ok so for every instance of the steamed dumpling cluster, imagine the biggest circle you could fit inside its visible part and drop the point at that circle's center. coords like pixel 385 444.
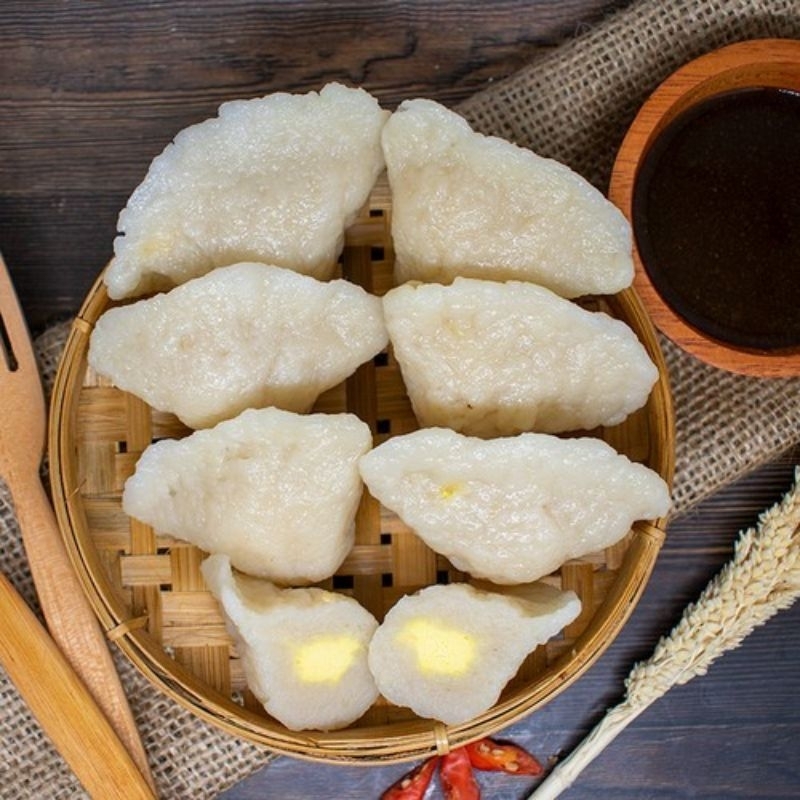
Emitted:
pixel 481 207
pixel 499 236
pixel 243 336
pixel 239 223
pixel 513 509
pixel 304 651
pixel 274 491
pixel 494 359
pixel 318 659
pixel 276 179
pixel 446 652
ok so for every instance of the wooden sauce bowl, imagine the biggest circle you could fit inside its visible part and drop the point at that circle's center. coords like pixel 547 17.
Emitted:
pixel 763 63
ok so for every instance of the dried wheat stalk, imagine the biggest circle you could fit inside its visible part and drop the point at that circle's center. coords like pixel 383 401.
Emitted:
pixel 762 578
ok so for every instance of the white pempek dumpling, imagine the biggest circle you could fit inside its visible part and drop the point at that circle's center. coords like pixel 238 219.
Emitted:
pixel 446 652
pixel 244 336
pixel 479 206
pixel 512 510
pixel 304 651
pixel 274 179
pixel 494 359
pixel 275 491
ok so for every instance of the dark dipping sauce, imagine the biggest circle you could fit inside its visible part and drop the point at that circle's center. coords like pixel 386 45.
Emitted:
pixel 716 216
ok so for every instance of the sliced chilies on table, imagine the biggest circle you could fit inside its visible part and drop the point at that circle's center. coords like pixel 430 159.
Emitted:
pixel 456 770
pixel 414 784
pixel 457 778
pixel 487 754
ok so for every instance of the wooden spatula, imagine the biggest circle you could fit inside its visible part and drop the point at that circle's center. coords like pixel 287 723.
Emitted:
pixel 79 699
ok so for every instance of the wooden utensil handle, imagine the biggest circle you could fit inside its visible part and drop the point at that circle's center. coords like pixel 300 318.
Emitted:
pixel 63 706
pixel 70 618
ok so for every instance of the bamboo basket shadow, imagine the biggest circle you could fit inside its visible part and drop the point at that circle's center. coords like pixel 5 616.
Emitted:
pixel 148 592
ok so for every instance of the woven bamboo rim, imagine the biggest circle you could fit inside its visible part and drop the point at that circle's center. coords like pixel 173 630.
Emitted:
pixel 149 595
pixel 749 64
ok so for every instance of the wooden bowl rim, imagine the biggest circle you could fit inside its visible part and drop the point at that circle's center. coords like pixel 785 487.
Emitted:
pixel 752 63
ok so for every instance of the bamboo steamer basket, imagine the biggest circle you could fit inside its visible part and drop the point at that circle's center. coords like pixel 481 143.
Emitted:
pixel 148 592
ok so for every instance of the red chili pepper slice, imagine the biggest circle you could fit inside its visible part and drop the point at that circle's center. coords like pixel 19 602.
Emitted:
pixel 487 754
pixel 458 780
pixel 413 785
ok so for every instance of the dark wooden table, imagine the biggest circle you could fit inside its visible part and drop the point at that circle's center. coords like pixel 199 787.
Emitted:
pixel 90 92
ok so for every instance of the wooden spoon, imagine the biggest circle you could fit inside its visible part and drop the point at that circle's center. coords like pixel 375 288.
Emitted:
pixel 67 704
pixel 62 704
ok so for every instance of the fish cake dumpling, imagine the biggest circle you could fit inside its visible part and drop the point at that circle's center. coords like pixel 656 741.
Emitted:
pixel 447 651
pixel 248 335
pixel 474 205
pixel 514 509
pixel 304 651
pixel 275 491
pixel 495 359
pixel 274 179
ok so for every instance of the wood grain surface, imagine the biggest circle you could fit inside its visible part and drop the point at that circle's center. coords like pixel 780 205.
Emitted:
pixel 90 92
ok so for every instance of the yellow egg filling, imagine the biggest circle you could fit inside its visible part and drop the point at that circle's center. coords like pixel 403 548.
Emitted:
pixel 439 649
pixel 449 490
pixel 155 246
pixel 325 659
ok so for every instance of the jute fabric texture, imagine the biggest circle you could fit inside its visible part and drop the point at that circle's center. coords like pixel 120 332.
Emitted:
pixel 573 104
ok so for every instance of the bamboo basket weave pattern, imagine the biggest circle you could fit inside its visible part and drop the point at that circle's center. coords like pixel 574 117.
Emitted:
pixel 149 594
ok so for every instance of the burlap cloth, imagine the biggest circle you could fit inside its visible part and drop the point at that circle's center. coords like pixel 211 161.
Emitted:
pixel 573 104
